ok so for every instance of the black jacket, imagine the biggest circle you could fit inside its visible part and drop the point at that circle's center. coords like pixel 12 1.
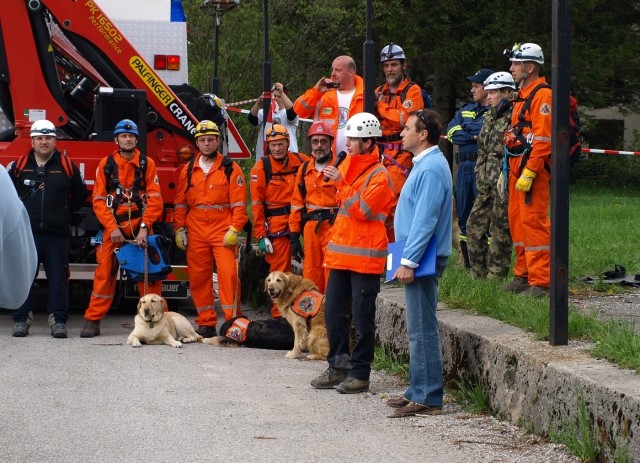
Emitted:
pixel 52 198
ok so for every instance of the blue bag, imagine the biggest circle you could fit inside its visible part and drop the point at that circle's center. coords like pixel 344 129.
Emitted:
pixel 131 259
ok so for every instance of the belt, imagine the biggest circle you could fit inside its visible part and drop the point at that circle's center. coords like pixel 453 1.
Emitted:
pixel 324 214
pixel 284 210
pixel 125 216
pixel 390 138
pixel 467 157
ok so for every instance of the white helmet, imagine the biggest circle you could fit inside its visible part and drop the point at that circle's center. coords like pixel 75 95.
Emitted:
pixel 391 51
pixel 363 125
pixel 43 127
pixel 525 52
pixel 499 80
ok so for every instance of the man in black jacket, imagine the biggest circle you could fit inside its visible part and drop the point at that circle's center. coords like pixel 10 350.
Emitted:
pixel 52 190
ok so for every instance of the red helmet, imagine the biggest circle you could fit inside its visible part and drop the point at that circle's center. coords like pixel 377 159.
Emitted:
pixel 320 128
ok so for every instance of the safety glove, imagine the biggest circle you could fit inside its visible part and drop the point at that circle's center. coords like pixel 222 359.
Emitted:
pixel 265 245
pixel 526 180
pixel 181 238
pixel 231 237
pixel 297 252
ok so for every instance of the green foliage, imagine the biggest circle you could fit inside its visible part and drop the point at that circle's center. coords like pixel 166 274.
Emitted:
pixel 579 436
pixel 472 396
pixel 385 359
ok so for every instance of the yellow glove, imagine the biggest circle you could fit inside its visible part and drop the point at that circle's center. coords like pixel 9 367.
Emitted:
pixel 525 180
pixel 230 238
pixel 500 185
pixel 181 238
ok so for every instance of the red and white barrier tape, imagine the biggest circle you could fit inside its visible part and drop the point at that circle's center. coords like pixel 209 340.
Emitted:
pixel 613 152
pixel 246 111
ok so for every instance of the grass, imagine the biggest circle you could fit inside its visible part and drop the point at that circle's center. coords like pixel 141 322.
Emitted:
pixel 384 359
pixel 602 224
pixel 473 397
pixel 579 437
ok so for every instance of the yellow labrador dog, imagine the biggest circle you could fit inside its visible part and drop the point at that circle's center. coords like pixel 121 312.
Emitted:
pixel 302 306
pixel 155 326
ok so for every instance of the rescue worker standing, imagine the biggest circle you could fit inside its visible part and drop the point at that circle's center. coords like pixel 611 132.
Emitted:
pixel 489 217
pixel 463 131
pixel 52 190
pixel 529 151
pixel 272 183
pixel 211 205
pixel 396 98
pixel 314 207
pixel 127 202
pixel 356 256
pixel 334 99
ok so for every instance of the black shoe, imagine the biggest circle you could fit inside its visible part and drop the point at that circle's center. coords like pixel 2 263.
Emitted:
pixel 329 379
pixel 353 385
pixel 58 330
pixel 207 331
pixel 20 330
pixel 91 329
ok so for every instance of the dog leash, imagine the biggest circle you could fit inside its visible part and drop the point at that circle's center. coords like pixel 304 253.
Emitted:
pixel 146 271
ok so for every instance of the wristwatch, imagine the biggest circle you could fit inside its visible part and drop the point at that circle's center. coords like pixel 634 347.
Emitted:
pixel 143 225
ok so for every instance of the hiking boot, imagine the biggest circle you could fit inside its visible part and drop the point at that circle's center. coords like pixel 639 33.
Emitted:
pixel 517 285
pixel 352 385
pixel 207 331
pixel 20 330
pixel 58 330
pixel 329 379
pixel 536 291
pixel 91 329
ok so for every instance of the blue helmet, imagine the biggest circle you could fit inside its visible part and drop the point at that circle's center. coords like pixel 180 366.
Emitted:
pixel 126 126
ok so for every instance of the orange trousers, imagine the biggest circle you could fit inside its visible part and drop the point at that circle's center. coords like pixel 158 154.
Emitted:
pixel 315 247
pixel 203 258
pixel 530 227
pixel 279 261
pixel 104 282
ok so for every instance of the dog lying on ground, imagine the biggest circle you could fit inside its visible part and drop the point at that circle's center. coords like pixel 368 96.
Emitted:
pixel 258 334
pixel 152 325
pixel 302 306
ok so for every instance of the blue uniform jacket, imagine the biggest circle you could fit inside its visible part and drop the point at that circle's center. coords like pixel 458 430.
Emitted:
pixel 465 126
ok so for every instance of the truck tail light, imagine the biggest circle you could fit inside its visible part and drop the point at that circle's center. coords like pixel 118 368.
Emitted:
pixel 159 61
pixel 173 62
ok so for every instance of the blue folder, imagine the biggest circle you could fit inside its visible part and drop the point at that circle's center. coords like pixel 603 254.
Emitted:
pixel 426 266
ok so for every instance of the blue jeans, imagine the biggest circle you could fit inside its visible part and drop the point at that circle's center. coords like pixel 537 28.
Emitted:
pixel 358 291
pixel 53 253
pixel 425 358
pixel 466 192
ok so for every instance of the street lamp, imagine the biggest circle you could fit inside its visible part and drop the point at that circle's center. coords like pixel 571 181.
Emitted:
pixel 217 8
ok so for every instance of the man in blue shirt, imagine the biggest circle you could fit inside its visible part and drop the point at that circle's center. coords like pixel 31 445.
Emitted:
pixel 424 209
pixel 463 131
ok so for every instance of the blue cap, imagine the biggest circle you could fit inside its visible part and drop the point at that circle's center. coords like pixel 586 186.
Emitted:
pixel 480 76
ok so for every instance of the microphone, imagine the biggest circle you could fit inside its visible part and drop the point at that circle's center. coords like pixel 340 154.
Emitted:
pixel 339 158
pixel 31 182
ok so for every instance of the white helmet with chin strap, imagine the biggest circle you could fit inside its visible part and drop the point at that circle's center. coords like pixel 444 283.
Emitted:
pixel 499 80
pixel 363 125
pixel 525 52
pixel 43 127
pixel 391 51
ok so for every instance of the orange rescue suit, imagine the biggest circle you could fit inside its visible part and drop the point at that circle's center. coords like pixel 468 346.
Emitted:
pixel 104 283
pixel 528 212
pixel 317 210
pixel 271 206
pixel 358 238
pixel 207 208
pixel 393 114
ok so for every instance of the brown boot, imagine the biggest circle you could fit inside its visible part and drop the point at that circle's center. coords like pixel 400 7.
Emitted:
pixel 517 285
pixel 536 291
pixel 91 329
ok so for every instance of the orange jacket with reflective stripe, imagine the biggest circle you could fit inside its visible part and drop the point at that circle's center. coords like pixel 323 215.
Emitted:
pixel 539 115
pixel 211 200
pixel 126 175
pixel 320 195
pixel 392 111
pixel 318 105
pixel 274 196
pixel 359 237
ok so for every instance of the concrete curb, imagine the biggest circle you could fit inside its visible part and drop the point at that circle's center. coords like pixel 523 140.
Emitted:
pixel 529 382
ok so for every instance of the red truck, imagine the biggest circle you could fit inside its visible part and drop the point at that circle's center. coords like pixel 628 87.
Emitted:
pixel 66 61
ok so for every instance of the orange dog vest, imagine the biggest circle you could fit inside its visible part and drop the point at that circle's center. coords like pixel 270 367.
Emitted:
pixel 307 304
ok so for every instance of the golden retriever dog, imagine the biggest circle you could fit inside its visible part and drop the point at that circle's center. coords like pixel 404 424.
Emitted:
pixel 297 299
pixel 152 325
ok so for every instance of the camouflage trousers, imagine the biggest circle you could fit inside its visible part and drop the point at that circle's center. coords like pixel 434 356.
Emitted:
pixel 488 236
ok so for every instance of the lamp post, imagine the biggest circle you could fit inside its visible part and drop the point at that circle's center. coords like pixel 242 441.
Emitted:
pixel 217 8
pixel 369 54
